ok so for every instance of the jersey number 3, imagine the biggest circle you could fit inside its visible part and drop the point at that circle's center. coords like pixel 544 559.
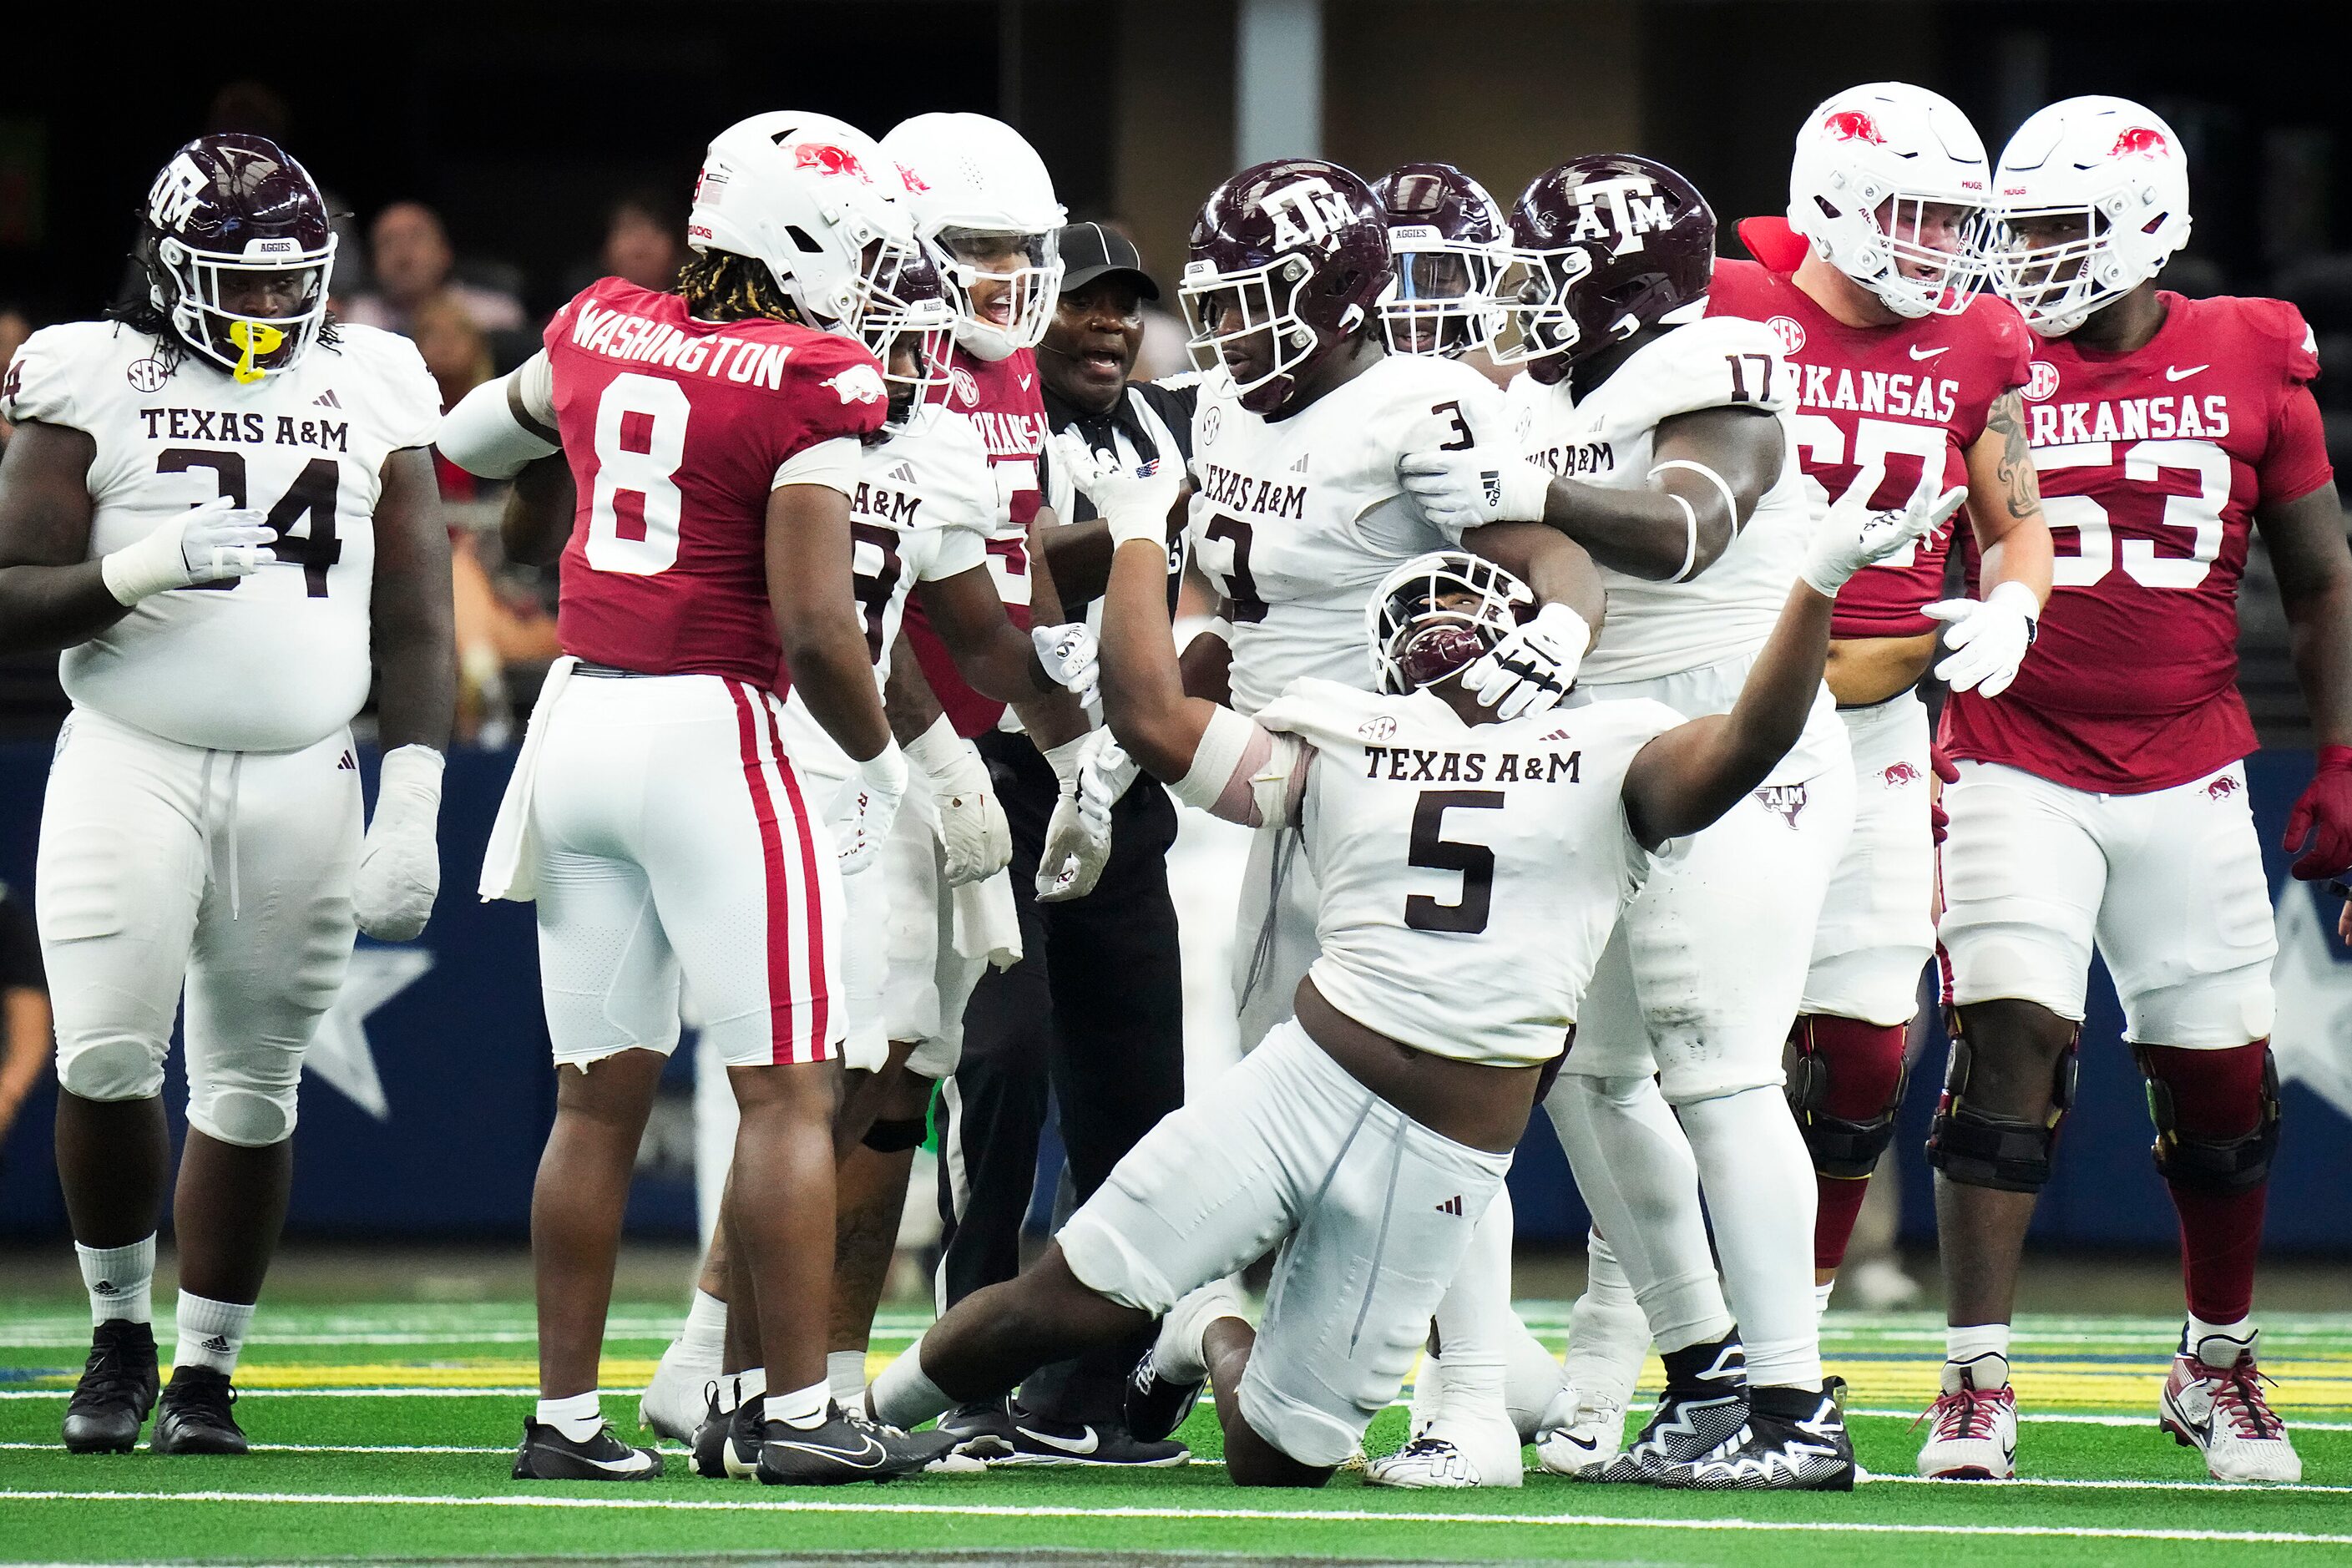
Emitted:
pixel 1431 850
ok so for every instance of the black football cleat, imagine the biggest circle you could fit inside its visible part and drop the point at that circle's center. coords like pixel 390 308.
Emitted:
pixel 1042 1440
pixel 1704 1405
pixel 1156 1405
pixel 982 1430
pixel 117 1389
pixel 1788 1444
pixel 845 1450
pixel 547 1455
pixel 707 1453
pixel 194 1417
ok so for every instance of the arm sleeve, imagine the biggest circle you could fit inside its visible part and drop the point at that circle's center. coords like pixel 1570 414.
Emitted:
pixel 482 436
pixel 832 462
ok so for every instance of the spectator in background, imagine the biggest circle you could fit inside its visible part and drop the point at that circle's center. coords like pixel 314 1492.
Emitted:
pixel 643 241
pixel 25 1040
pixel 412 262
pixel 457 354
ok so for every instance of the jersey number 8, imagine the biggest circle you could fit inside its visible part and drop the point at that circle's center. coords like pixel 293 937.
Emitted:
pixel 633 508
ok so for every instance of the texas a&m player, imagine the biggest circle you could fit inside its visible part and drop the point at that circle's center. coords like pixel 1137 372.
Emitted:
pixel 694 454
pixel 1908 381
pixel 220 504
pixel 2102 799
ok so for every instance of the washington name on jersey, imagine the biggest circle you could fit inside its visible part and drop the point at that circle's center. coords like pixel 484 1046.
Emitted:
pixel 277 660
pixel 1882 414
pixel 1296 520
pixel 2152 465
pixel 1468 875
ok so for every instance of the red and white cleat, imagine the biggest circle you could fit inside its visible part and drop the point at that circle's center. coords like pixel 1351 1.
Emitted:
pixel 1972 1432
pixel 2214 1402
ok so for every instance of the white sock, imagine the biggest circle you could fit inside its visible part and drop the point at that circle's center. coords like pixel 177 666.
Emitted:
pixel 1607 1332
pixel 212 1333
pixel 1983 1347
pixel 1177 1352
pixel 577 1416
pixel 902 1396
pixel 705 1334
pixel 1761 1192
pixel 2242 1331
pixel 1822 1299
pixel 121 1280
pixel 844 1374
pixel 803 1409
pixel 1474 1319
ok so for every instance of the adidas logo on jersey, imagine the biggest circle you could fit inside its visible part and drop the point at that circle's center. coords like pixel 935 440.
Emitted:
pixel 327 399
pixel 1452 1206
pixel 901 474
pixel 1300 466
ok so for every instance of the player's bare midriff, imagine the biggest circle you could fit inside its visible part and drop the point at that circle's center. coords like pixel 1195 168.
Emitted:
pixel 1471 1102
pixel 1866 671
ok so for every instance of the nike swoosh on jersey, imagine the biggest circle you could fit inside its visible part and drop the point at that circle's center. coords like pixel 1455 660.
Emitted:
pixel 2174 373
pixel 1919 352
pixel 1067 1444
pixel 1024 381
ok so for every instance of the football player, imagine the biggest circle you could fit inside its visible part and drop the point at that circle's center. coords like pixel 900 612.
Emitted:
pixel 1662 442
pixel 2102 800
pixel 1870 285
pixel 1449 240
pixel 1370 1131
pixel 694 455
pixel 220 505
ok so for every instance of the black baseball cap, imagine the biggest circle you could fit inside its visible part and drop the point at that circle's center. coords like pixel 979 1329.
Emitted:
pixel 1090 251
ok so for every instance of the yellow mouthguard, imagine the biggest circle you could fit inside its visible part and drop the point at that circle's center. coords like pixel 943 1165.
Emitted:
pixel 256 339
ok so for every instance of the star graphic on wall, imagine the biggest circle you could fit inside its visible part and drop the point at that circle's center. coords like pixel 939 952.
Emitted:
pixel 2311 1032
pixel 339 1054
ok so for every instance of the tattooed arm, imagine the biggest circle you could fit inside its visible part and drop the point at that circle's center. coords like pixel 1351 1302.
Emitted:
pixel 2005 501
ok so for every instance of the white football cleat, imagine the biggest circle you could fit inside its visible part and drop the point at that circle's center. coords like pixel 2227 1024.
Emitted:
pixel 1454 1451
pixel 674 1401
pixel 2213 1403
pixel 1972 1432
pixel 1582 1432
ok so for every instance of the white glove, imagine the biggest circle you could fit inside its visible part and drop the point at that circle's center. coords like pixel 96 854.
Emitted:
pixel 1988 638
pixel 1077 844
pixel 1850 536
pixel 974 833
pixel 203 545
pixel 1458 491
pixel 400 861
pixel 867 805
pixel 1072 661
pixel 1107 773
pixel 1133 504
pixel 1532 669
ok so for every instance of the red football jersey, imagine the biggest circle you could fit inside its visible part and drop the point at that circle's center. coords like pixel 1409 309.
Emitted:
pixel 2152 464
pixel 1002 398
pixel 1876 405
pixel 675 429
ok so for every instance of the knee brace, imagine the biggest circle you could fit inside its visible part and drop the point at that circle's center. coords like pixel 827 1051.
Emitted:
pixel 1835 1060
pixel 117 1069
pixel 2213 1164
pixel 897 1134
pixel 1979 1148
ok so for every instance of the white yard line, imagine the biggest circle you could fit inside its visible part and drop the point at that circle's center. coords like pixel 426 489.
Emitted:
pixel 1262 1516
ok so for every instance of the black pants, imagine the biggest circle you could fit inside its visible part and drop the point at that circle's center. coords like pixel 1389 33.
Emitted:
pixel 1095 1012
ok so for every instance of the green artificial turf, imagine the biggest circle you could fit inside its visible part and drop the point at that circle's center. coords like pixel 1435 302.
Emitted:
pixel 441 1490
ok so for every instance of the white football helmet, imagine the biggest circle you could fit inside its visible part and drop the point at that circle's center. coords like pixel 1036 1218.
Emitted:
pixel 980 193
pixel 813 197
pixel 2091 199
pixel 1418 638
pixel 1879 171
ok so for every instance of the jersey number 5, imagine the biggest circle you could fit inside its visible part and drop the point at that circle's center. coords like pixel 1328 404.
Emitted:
pixel 633 508
pixel 1432 851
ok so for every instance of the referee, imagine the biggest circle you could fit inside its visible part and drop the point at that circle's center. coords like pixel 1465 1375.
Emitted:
pixel 1096 1009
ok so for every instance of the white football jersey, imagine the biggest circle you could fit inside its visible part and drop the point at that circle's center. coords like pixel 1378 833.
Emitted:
pixel 271 662
pixel 1296 520
pixel 1469 875
pixel 1725 612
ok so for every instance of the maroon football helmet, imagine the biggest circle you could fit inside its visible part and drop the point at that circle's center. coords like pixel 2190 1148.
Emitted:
pixel 1449 240
pixel 237 248
pixel 1288 261
pixel 909 325
pixel 1603 246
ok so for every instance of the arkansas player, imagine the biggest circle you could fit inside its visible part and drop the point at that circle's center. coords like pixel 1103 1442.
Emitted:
pixel 1910 381
pixel 2103 797
pixel 699 448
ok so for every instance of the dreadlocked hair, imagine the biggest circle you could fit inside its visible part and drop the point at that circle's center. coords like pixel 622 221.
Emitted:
pixel 720 286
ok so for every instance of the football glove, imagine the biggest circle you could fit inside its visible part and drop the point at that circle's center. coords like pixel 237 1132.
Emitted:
pixel 1852 536
pixel 974 836
pixel 1132 503
pixel 1071 661
pixel 2323 814
pixel 867 805
pixel 1986 638
pixel 1533 668
pixel 1077 840
pixel 400 860
pixel 209 543
pixel 1457 491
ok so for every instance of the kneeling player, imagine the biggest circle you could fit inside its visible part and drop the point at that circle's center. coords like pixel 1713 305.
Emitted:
pixel 1374 1149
